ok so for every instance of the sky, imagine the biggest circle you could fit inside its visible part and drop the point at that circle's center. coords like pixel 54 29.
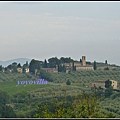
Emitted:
pixel 42 30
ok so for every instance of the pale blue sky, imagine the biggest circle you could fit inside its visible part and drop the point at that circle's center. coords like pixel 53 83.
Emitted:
pixel 41 30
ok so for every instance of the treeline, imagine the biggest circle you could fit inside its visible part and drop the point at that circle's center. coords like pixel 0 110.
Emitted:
pixel 37 64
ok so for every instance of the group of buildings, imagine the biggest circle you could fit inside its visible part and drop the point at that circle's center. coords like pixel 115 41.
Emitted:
pixel 84 66
pixel 79 66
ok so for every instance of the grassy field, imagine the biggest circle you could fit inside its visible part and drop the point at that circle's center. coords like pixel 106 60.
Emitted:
pixel 11 87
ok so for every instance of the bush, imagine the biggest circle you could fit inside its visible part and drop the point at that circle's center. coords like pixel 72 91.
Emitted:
pixel 68 82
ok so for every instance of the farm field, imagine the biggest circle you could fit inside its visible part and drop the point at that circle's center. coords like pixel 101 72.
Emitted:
pixel 85 77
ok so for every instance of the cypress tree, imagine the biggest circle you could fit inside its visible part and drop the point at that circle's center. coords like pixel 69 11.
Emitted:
pixel 94 65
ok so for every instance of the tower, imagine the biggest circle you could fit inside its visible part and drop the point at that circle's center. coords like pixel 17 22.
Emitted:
pixel 83 61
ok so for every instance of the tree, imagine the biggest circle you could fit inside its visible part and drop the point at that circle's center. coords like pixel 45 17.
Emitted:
pixel 108 83
pixel 9 66
pixel 59 68
pixel 26 64
pixel 4 97
pixel 45 64
pixel 19 66
pixel 80 60
pixel 108 91
pixel 106 62
pixel 63 68
pixel 68 82
pixel 14 66
pixel 66 60
pixel 53 62
pixel 34 64
pixel 94 65
pixel 5 110
pixel 109 88
pixel 83 106
pixel 0 67
pixel 73 67
pixel 45 75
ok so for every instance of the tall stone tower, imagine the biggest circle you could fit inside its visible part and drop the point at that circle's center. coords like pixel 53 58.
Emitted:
pixel 83 61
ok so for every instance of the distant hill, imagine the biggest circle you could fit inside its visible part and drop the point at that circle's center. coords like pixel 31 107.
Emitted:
pixel 17 60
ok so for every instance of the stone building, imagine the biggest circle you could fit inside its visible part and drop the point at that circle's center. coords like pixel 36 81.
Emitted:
pixel 51 70
pixel 101 83
pixel 78 65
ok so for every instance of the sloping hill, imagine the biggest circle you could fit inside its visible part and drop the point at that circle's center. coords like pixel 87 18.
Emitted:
pixel 17 60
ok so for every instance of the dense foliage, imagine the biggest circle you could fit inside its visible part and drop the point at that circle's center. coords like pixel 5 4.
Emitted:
pixel 83 106
pixel 5 110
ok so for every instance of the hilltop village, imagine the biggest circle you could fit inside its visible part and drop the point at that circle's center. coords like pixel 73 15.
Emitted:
pixel 54 65
pixel 66 65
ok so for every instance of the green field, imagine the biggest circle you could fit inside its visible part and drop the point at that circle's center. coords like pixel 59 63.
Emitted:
pixel 11 88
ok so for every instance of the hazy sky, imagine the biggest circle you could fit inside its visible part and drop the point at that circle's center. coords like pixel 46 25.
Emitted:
pixel 41 30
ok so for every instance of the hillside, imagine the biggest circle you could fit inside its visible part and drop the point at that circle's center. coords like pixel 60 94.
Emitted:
pixel 37 94
pixel 17 60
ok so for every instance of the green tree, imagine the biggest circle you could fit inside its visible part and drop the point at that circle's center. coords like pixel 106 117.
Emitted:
pixel 34 64
pixel 80 60
pixel 14 64
pixel 0 67
pixel 53 62
pixel 9 66
pixel 109 88
pixel 106 62
pixel 4 97
pixel 5 110
pixel 108 83
pixel 66 60
pixel 14 67
pixel 84 106
pixel 73 67
pixel 45 75
pixel 68 82
pixel 45 64
pixel 108 91
pixel 63 68
pixel 59 68
pixel 19 66
pixel 94 65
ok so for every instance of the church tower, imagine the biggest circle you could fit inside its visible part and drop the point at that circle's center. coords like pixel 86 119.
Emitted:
pixel 83 61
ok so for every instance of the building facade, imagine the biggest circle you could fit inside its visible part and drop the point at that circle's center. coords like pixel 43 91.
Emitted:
pixel 51 70
pixel 101 83
pixel 78 65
